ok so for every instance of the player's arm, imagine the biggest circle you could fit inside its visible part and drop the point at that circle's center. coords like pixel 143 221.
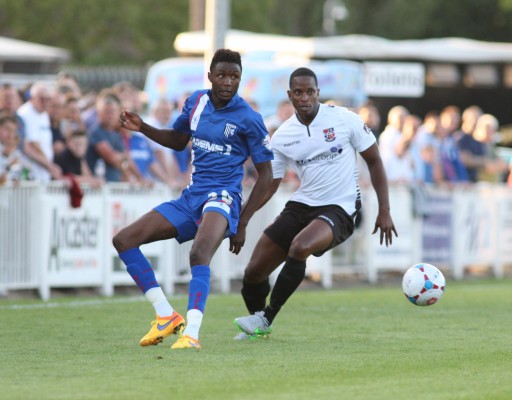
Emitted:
pixel 278 172
pixel 258 193
pixel 255 201
pixel 272 189
pixel 170 138
pixel 380 183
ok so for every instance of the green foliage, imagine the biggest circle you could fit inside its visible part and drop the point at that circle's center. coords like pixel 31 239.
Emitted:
pixel 98 31
pixel 358 343
pixel 135 32
pixel 419 19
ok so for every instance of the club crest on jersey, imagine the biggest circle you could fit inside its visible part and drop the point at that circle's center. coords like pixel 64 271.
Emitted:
pixel 229 130
pixel 329 134
pixel 367 129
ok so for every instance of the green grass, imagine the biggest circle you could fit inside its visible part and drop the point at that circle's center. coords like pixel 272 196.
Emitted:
pixel 364 343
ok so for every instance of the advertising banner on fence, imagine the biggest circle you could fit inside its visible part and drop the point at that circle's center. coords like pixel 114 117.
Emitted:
pixel 73 240
pixel 436 232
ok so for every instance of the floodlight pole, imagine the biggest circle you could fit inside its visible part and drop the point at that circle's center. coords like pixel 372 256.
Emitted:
pixel 217 21
pixel 334 10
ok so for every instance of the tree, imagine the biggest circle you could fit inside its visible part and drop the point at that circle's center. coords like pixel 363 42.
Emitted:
pixel 136 32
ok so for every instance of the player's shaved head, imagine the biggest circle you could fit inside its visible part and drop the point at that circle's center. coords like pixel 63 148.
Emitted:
pixel 303 71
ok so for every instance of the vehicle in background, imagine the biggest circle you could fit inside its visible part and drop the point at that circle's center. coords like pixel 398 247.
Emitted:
pixel 263 81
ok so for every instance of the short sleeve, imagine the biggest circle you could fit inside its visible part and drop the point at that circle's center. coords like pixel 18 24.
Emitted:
pixel 278 164
pixel 258 140
pixel 182 123
pixel 362 136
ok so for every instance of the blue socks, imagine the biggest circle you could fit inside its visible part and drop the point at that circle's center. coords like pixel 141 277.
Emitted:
pixel 139 269
pixel 141 272
pixel 199 287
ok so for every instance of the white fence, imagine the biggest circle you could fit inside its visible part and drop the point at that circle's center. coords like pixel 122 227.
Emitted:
pixel 44 243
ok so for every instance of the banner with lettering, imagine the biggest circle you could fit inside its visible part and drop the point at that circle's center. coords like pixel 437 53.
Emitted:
pixel 73 239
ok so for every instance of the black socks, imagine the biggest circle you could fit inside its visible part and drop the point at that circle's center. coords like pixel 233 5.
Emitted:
pixel 255 295
pixel 287 282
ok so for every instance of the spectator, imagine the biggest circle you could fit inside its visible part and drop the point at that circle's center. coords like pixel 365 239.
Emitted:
pixel 428 167
pixel 72 159
pixel 106 146
pixel 284 111
pixel 55 111
pixel 38 141
pixel 469 117
pixel 472 152
pixel 10 101
pixel 371 117
pixel 412 152
pixel 71 117
pixel 494 169
pixel 394 148
pixel 12 166
pixel 89 113
pixel 129 95
pixel 160 117
pixel 183 157
pixel 144 159
pixel 68 85
pixel 452 169
pixel 449 119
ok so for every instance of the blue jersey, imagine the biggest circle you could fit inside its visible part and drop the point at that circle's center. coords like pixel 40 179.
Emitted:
pixel 222 140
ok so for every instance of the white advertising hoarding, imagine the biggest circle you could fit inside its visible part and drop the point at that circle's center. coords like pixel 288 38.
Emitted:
pixel 394 79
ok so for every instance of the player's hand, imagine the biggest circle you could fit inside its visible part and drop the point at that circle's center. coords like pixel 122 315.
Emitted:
pixel 386 226
pixel 237 242
pixel 131 121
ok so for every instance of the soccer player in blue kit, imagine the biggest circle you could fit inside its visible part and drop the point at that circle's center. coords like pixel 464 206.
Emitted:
pixel 320 143
pixel 224 131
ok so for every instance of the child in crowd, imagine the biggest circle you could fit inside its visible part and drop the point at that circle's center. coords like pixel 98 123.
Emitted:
pixel 72 159
pixel 12 167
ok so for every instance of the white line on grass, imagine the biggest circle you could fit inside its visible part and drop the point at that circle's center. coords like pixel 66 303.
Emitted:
pixel 72 304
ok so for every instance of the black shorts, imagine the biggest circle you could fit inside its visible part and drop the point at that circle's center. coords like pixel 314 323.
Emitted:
pixel 296 216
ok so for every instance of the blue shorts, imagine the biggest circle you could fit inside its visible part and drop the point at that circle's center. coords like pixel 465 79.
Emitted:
pixel 186 212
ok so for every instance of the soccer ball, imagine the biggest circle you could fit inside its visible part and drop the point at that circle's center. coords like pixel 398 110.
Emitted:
pixel 423 284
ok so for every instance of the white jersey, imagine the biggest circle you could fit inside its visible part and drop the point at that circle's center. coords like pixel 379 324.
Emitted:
pixel 38 129
pixel 323 155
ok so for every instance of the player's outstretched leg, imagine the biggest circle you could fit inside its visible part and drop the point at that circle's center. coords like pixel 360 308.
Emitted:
pixel 167 320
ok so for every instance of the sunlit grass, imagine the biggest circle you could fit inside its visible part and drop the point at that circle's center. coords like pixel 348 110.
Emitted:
pixel 365 343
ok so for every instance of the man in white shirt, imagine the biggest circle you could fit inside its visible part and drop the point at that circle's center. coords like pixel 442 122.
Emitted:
pixel 38 147
pixel 320 143
pixel 395 148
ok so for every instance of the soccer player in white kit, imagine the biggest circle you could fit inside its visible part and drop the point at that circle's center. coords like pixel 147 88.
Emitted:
pixel 319 142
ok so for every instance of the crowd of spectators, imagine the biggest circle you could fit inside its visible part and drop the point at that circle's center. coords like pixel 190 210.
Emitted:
pixel 444 148
pixel 53 131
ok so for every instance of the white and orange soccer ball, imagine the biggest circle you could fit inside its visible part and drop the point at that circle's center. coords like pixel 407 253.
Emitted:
pixel 423 284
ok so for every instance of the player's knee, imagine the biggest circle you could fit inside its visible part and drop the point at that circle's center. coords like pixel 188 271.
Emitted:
pixel 253 275
pixel 121 241
pixel 299 250
pixel 199 255
pixel 256 272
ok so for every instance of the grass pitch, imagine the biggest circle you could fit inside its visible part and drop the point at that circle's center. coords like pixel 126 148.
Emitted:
pixel 364 343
